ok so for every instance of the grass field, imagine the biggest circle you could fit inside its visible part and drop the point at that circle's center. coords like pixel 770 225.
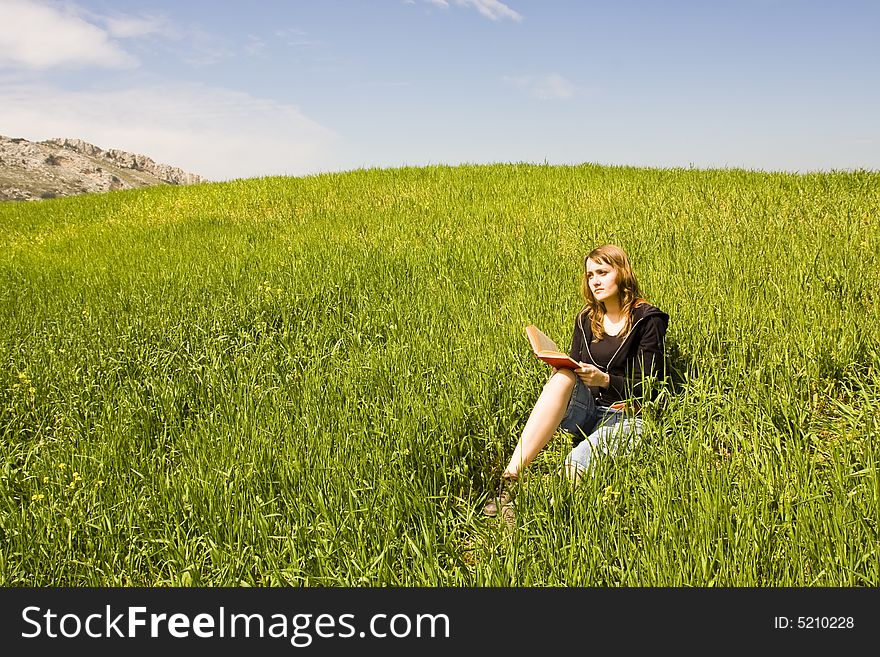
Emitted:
pixel 315 381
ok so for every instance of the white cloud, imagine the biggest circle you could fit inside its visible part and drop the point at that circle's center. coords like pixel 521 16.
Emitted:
pixel 213 132
pixel 491 9
pixel 255 46
pixel 202 48
pixel 124 27
pixel 290 33
pixel 544 87
pixel 297 38
pixel 41 36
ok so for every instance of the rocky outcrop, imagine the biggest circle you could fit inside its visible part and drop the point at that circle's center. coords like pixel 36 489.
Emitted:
pixel 66 167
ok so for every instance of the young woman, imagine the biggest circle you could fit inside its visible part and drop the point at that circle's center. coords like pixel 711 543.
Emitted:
pixel 619 343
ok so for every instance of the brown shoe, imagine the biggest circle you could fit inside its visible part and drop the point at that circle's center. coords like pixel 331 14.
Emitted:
pixel 503 498
pixel 508 514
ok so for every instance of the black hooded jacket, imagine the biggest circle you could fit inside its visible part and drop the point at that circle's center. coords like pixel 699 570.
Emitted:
pixel 641 355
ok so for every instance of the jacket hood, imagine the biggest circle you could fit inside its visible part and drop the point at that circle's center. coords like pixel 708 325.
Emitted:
pixel 644 309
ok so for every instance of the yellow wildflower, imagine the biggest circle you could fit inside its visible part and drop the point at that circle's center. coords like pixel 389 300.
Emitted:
pixel 609 495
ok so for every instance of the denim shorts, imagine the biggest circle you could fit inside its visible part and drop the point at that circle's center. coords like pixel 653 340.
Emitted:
pixel 596 430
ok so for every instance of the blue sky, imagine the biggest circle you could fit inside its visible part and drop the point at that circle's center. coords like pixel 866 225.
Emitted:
pixel 239 89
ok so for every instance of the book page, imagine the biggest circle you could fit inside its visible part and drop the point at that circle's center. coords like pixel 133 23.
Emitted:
pixel 539 341
pixel 546 350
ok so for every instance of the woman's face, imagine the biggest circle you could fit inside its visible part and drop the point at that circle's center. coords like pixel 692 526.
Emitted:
pixel 602 280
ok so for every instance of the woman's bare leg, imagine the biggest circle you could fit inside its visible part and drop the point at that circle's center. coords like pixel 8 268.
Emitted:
pixel 543 421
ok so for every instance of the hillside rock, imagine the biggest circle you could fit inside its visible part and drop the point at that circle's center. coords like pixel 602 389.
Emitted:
pixel 67 167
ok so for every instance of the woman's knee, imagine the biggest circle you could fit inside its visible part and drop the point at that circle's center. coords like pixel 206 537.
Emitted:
pixel 563 379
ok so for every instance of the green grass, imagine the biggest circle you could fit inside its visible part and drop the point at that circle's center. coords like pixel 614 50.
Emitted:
pixel 315 381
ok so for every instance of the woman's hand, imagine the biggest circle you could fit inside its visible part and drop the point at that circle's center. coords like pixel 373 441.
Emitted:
pixel 593 376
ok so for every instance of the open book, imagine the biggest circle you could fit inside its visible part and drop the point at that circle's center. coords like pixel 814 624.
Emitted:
pixel 546 349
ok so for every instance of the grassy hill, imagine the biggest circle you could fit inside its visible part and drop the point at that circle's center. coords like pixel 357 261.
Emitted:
pixel 315 381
